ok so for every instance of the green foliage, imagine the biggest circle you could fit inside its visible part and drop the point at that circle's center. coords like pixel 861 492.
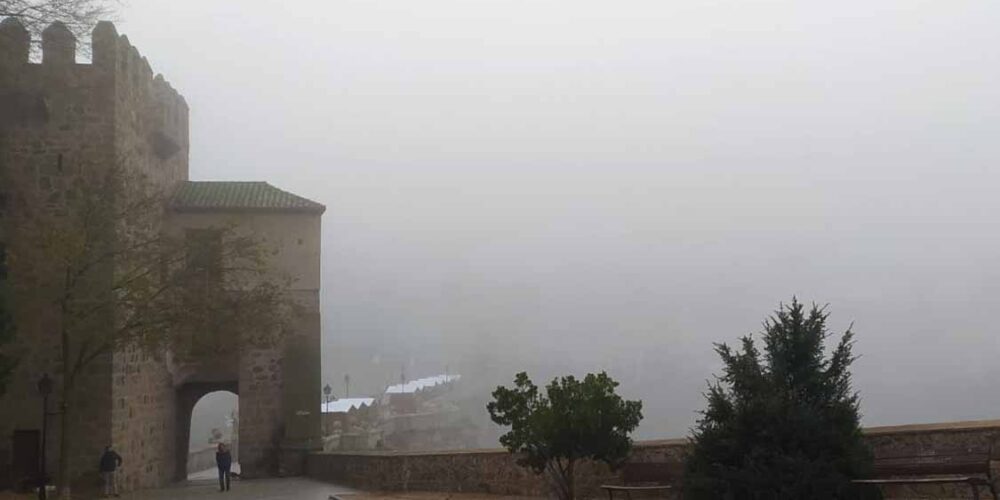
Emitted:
pixel 573 420
pixel 782 424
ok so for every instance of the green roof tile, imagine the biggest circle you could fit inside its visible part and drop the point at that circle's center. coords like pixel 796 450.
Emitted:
pixel 201 196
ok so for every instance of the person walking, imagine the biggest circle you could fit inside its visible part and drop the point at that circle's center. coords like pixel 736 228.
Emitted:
pixel 224 460
pixel 110 462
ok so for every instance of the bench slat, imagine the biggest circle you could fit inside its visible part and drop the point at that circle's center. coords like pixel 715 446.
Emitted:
pixel 649 472
pixel 924 465
pixel 939 468
pixel 636 488
pixel 925 480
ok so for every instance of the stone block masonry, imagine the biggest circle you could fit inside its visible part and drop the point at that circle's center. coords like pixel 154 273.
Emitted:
pixel 496 472
pixel 62 121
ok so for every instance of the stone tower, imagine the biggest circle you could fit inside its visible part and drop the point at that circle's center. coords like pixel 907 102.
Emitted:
pixel 59 120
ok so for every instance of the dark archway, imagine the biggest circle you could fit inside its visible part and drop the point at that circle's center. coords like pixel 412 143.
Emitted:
pixel 187 396
pixel 214 420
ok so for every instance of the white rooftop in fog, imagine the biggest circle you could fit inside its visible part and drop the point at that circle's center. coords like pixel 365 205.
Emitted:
pixel 422 383
pixel 345 405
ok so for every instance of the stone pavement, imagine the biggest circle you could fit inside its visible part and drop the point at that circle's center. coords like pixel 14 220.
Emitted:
pixel 212 473
pixel 280 489
pixel 292 488
pixel 426 496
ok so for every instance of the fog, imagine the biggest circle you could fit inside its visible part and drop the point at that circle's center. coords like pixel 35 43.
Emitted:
pixel 565 187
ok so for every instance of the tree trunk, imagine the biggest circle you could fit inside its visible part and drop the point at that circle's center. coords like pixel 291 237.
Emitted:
pixel 557 479
pixel 570 481
pixel 69 377
pixel 64 447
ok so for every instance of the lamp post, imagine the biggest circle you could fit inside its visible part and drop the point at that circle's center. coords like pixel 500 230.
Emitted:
pixel 327 390
pixel 45 389
pixel 347 385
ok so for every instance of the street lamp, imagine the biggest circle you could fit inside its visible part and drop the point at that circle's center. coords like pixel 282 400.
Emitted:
pixel 45 389
pixel 327 390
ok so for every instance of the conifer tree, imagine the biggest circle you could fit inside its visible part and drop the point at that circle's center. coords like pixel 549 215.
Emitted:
pixel 782 423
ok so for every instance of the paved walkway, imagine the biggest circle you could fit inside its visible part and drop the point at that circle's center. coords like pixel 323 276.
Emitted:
pixel 427 496
pixel 292 488
pixel 212 473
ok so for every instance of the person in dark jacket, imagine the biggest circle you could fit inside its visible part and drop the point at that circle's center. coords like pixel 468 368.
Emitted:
pixel 110 462
pixel 224 461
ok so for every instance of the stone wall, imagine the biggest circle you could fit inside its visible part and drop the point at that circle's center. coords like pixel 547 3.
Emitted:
pixel 143 419
pixel 277 386
pixel 495 471
pixel 260 412
pixel 203 459
pixel 63 121
pixel 491 471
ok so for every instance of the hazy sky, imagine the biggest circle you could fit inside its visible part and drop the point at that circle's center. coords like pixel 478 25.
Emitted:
pixel 566 186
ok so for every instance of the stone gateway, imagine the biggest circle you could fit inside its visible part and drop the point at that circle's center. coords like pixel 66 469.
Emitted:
pixel 60 119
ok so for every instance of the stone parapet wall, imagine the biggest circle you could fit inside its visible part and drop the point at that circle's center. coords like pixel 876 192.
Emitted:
pixel 203 459
pixel 483 471
pixel 495 471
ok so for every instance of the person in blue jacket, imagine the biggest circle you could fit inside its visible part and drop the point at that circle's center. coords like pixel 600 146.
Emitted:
pixel 110 462
pixel 224 460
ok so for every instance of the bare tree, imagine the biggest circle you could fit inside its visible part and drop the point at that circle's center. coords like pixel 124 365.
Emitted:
pixel 98 257
pixel 79 16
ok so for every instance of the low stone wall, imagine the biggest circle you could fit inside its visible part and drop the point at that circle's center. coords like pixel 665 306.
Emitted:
pixel 495 471
pixel 199 460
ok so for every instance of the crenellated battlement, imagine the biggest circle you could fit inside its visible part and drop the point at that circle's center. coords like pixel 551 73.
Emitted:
pixel 117 87
pixel 59 46
pixel 112 54
pixel 113 108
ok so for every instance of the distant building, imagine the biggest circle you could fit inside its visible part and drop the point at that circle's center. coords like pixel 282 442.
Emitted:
pixel 345 405
pixel 350 424
pixel 425 414
pixel 428 414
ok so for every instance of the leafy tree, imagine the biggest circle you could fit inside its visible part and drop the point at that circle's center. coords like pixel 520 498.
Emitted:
pixel 573 420
pixel 98 259
pixel 782 424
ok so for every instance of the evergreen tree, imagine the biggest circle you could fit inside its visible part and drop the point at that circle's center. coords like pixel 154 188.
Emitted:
pixel 782 424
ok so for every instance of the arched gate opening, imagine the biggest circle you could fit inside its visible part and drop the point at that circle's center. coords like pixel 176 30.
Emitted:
pixel 188 395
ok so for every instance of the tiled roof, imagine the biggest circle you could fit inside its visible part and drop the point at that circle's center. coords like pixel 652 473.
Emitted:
pixel 200 196
pixel 421 384
pixel 344 405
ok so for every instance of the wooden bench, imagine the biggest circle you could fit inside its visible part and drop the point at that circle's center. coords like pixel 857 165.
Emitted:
pixel 967 467
pixel 646 477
